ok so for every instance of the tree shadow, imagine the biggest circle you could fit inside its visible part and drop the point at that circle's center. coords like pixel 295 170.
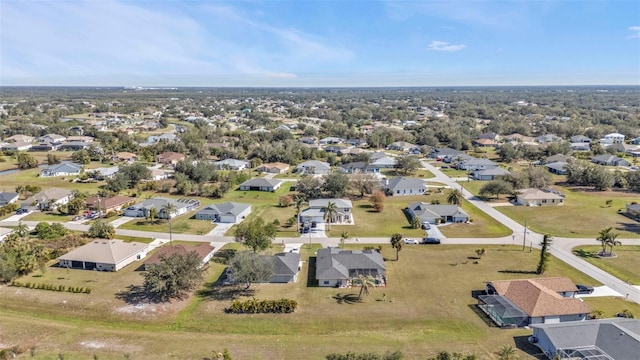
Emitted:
pixel 349 299
pixel 517 272
pixel 630 227
pixel 223 256
pixel 484 317
pixel 311 272
pixel 135 294
pixel 584 254
pixel 215 291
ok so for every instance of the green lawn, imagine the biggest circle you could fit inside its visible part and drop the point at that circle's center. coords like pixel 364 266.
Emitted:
pixel 626 266
pixel 482 226
pixel 426 174
pixel 583 214
pixel 31 177
pixel 45 216
pixel 183 224
pixel 429 308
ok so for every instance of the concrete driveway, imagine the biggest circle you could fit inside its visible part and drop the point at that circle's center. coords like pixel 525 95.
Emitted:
pixel 121 221
pixel 220 229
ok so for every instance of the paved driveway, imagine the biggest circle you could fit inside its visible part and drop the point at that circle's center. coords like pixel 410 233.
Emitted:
pixel 121 221
pixel 220 229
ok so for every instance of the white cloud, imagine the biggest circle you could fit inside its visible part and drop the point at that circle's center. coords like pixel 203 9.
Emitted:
pixel 636 31
pixel 445 46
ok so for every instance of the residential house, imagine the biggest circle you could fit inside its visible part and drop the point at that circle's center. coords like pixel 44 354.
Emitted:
pixel 580 146
pixel 232 164
pixel 142 209
pixel 519 139
pixel 613 138
pixel 602 339
pixel 74 146
pixel 385 162
pixel 169 158
pixel 533 301
pixel 316 211
pixel 102 173
pixel 402 186
pixel 160 174
pixel 403 146
pixel 558 168
pixel 287 266
pixel 261 184
pixel 45 146
pixel 81 138
pixel 104 255
pixel 8 197
pixel 52 139
pixel 635 141
pixel 484 143
pixel 48 200
pixel 609 160
pixel 633 210
pixel 20 138
pixel 16 146
pixel 489 174
pixel 539 197
pixel 548 138
pixel 126 157
pixel 62 169
pixel 558 157
pixel 331 140
pixel 335 149
pixel 488 136
pixel 352 151
pixel 204 251
pixel 356 142
pixel 474 164
pixel 359 167
pixel 228 212
pixel 308 140
pixel 336 267
pixel 273 168
pixel 108 204
pixel 580 139
pixel 435 214
pixel 314 167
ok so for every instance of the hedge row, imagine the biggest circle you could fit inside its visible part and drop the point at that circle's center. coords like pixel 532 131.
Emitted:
pixel 254 306
pixel 51 287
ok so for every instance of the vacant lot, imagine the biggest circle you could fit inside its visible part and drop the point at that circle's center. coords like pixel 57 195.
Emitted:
pixel 183 224
pixel 626 266
pixel 429 308
pixel 31 177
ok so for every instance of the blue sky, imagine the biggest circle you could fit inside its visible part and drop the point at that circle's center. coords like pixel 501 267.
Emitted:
pixel 319 43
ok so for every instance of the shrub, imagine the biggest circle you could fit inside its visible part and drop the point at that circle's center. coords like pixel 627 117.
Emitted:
pixel 51 287
pixel 254 306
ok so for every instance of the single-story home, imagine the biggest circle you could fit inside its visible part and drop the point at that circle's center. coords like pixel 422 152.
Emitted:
pixel 108 204
pixel 273 168
pixel 580 139
pixel 204 251
pixel 615 338
pixel 403 146
pixel 524 302
pixel 48 200
pixel 125 157
pixel 142 209
pixel 331 140
pixel 62 169
pixel 261 184
pixel 104 255
pixel 337 267
pixel 359 167
pixel 52 138
pixel 20 138
pixel 169 158
pixel 476 164
pixel 484 143
pixel 609 160
pixel 8 197
pixel 558 168
pixel 316 211
pixel 539 197
pixel 402 186
pixel 489 174
pixel 580 146
pixel 287 266
pixel 437 213
pixel 313 167
pixel 557 157
pixel 160 174
pixel 102 173
pixel 232 164
pixel 385 162
pixel 633 209
pixel 228 212
pixel 73 145
pixel 16 146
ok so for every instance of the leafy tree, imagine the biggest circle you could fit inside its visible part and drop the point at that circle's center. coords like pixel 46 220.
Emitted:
pixel 133 174
pixel 309 187
pixel 396 243
pixel 454 197
pixel 81 157
pixel 330 212
pixel 416 222
pixel 101 229
pixel 366 283
pixel 508 153
pixel 26 161
pixel 255 233
pixel 52 159
pixel 547 240
pixel 250 267
pixel 50 232
pixel 335 184
pixel 299 201
pixel 173 277
pixel 408 163
pixel 496 187
pixel 285 201
pixel 76 205
pixel 364 183
pixel 22 230
pixel 18 257
pixel 377 200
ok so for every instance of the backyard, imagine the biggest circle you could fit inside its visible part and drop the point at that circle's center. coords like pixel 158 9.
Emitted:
pixel 429 307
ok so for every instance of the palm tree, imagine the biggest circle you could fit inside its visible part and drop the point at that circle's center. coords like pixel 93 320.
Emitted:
pixel 153 213
pixel 603 237
pixel 22 229
pixel 396 243
pixel 343 237
pixel 507 352
pixel 365 283
pixel 611 241
pixel 169 208
pixel 299 201
pixel 330 212
pixel 454 197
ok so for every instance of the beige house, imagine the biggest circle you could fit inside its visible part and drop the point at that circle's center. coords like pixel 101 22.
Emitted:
pixel 539 197
pixel 273 168
pixel 104 255
pixel 125 157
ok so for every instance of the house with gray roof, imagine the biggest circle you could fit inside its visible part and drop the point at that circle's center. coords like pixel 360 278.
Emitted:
pixel 359 167
pixel 287 266
pixel 62 169
pixel 143 209
pixel 437 213
pixel 16 146
pixel 602 339
pixel 609 160
pixel 313 167
pixel 403 146
pixel 48 200
pixel 442 153
pixel 580 139
pixel 316 211
pixel 102 173
pixel 261 184
pixel 8 197
pixel 228 212
pixel 489 174
pixel 474 164
pixel 336 267
pixel 52 138
pixel 403 186
pixel 232 164
pixel 557 157
pixel 558 168
pixel 104 255
pixel 385 162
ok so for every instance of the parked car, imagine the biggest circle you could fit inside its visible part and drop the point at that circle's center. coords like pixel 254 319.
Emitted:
pixel 314 224
pixel 410 241
pixel 21 211
pixel 77 217
pixel 431 240
pixel 426 225
pixel 444 167
pixel 584 289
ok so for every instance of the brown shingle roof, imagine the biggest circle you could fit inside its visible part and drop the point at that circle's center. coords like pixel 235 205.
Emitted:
pixel 540 297
pixel 107 203
pixel 201 249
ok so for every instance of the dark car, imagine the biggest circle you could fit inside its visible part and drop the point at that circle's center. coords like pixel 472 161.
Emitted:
pixel 21 211
pixel 431 240
pixel 584 289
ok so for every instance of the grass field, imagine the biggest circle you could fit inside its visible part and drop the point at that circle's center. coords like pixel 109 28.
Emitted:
pixel 626 266
pixel 429 308
pixel 183 224
pixel 45 216
pixel 31 177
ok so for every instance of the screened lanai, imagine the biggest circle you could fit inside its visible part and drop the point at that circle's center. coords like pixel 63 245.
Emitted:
pixel 502 311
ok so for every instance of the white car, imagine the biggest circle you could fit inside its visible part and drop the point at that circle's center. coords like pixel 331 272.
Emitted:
pixel 411 241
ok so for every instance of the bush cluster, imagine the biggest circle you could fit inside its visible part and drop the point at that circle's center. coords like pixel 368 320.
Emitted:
pixel 51 287
pixel 254 306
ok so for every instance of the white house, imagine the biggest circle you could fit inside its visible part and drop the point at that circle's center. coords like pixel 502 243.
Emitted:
pixel 228 212
pixel 402 186
pixel 104 255
pixel 539 197
pixel 62 169
pixel 613 138
pixel 232 164
pixel 142 209
pixel 317 208
pixel 48 200
pixel 313 167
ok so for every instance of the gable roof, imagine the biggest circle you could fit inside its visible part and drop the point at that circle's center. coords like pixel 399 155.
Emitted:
pixel 105 251
pixel 7 196
pixel 402 182
pixel 227 208
pixel 64 167
pixel 334 263
pixel 534 194
pixel 49 194
pixel 497 171
pixel 540 297
pixel 261 182
pixel 286 263
pixel 314 163
pixel 421 208
pixel 322 203
pixel 108 202
pixel 202 250
pixel 385 160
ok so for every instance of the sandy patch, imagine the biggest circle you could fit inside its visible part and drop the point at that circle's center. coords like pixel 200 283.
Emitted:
pixel 93 344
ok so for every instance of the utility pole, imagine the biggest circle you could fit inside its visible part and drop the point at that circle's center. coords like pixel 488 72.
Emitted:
pixel 524 236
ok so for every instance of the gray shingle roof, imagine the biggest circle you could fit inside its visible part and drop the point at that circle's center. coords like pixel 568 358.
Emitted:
pixel 261 182
pixel 400 183
pixel 322 203
pixel 334 263
pixel 286 263
pixel 421 208
pixel 230 208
